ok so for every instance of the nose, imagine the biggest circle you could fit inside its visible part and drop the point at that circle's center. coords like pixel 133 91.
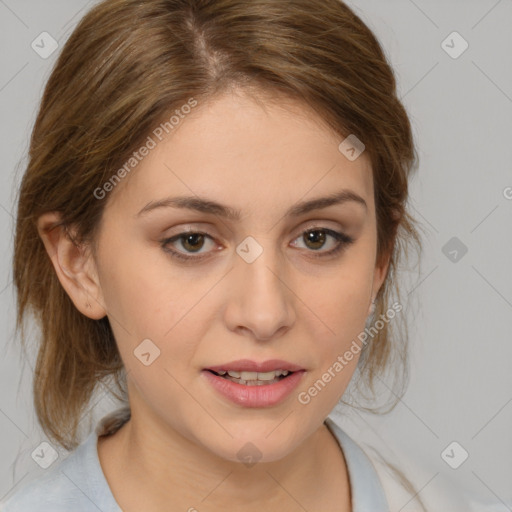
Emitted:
pixel 260 302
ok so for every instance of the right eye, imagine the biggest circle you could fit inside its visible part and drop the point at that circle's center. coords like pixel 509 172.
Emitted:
pixel 190 241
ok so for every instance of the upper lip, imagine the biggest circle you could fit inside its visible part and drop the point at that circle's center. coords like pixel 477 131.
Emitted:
pixel 246 365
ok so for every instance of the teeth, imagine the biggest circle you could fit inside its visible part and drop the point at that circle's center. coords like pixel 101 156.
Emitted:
pixel 249 375
pixel 265 376
pixel 252 376
pixel 257 382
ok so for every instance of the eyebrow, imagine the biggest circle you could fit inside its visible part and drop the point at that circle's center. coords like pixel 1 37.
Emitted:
pixel 208 206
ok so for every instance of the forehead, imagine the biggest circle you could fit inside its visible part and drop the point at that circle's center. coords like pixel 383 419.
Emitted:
pixel 245 151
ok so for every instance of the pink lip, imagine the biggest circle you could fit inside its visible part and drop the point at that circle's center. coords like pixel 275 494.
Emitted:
pixel 246 365
pixel 255 396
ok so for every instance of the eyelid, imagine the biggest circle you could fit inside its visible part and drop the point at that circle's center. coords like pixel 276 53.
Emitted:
pixel 319 224
pixel 343 241
pixel 309 225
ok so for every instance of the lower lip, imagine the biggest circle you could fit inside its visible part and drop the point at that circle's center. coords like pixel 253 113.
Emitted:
pixel 254 396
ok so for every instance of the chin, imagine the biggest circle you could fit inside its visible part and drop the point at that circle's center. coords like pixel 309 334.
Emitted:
pixel 256 445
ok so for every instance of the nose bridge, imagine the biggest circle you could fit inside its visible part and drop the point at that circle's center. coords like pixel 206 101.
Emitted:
pixel 258 268
pixel 260 300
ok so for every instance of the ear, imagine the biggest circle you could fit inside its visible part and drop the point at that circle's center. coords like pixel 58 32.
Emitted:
pixel 379 276
pixel 74 265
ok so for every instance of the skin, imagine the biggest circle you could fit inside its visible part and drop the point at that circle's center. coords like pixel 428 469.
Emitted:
pixel 179 450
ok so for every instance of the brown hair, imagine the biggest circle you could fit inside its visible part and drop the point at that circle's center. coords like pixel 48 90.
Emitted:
pixel 127 66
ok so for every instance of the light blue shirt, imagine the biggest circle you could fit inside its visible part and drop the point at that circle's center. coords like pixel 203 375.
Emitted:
pixel 77 484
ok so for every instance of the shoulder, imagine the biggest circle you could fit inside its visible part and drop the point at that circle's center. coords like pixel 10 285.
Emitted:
pixel 76 483
pixel 50 491
pixel 365 486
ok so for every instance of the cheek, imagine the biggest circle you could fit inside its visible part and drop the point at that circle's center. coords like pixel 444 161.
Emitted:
pixel 143 291
pixel 161 303
pixel 339 313
pixel 339 308
pixel 340 301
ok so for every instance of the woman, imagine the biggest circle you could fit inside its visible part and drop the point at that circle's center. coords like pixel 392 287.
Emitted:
pixel 212 213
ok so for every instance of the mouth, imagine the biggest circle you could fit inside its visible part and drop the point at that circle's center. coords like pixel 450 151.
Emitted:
pixel 253 378
pixel 250 383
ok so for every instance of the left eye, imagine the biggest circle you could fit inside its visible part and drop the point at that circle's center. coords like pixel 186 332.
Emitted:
pixel 315 239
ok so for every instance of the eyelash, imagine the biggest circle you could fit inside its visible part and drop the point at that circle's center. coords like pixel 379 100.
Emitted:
pixel 343 242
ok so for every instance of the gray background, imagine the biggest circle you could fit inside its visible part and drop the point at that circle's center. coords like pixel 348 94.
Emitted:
pixel 461 384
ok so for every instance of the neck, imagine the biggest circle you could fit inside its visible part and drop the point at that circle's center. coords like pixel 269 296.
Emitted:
pixel 163 468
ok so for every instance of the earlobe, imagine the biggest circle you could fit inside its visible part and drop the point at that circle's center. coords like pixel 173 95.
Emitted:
pixel 371 309
pixel 73 264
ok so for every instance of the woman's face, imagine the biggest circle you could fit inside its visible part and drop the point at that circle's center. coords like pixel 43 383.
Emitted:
pixel 250 282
